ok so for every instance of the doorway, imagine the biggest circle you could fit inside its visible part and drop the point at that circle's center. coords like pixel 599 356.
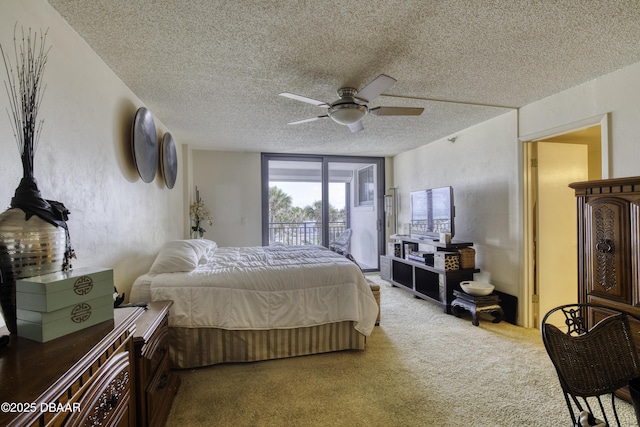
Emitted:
pixel 319 200
pixel 553 162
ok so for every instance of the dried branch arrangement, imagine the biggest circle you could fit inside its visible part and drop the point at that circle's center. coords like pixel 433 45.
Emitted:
pixel 25 89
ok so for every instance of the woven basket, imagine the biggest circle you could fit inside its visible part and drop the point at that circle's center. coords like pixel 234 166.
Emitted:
pixel 467 258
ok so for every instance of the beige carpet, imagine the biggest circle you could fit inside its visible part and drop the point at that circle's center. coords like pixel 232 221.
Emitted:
pixel 421 368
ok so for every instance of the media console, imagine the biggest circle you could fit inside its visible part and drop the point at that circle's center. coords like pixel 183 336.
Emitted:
pixel 423 280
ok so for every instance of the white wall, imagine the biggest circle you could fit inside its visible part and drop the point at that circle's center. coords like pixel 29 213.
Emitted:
pixel 229 184
pixel 84 157
pixel 481 166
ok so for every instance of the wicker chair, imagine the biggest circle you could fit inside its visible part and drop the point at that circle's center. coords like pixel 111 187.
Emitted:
pixel 591 363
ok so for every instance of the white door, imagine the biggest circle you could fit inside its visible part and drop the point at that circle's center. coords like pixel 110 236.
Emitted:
pixel 556 240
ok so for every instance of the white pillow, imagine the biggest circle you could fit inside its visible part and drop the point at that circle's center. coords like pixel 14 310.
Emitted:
pixel 181 255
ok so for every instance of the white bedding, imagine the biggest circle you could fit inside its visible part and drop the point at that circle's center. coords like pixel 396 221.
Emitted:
pixel 277 287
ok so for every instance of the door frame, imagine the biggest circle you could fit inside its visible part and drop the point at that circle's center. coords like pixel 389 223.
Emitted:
pixel 528 270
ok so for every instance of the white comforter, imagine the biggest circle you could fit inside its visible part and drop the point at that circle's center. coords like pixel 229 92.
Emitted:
pixel 268 288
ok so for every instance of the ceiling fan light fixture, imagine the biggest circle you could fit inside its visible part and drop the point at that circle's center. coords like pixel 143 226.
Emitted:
pixel 351 108
pixel 348 113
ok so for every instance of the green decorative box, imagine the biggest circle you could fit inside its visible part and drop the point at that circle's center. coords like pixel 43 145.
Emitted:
pixel 54 291
pixel 44 327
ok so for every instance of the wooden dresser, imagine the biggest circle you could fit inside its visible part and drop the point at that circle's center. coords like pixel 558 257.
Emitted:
pixel 84 378
pixel 609 243
pixel 156 384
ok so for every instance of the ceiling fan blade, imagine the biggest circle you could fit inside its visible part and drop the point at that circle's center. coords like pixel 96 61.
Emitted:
pixel 356 127
pixel 375 88
pixel 396 111
pixel 304 99
pixel 312 119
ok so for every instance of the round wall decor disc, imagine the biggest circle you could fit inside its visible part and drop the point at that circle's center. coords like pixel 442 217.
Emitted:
pixel 145 144
pixel 169 160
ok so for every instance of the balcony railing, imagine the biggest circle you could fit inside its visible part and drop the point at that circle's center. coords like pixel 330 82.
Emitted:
pixel 302 233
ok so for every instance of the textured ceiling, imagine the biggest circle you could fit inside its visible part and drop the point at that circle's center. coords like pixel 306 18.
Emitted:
pixel 211 71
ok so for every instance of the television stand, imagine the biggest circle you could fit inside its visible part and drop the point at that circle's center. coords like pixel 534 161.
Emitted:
pixel 421 279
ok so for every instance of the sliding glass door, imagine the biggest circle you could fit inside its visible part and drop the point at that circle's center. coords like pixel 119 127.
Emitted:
pixel 294 209
pixel 320 200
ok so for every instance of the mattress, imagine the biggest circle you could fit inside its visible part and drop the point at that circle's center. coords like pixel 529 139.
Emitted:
pixel 262 288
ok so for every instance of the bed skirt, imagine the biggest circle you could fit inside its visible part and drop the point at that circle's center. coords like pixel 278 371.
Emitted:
pixel 191 348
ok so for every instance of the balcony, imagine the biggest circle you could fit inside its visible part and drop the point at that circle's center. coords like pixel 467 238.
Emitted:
pixel 302 233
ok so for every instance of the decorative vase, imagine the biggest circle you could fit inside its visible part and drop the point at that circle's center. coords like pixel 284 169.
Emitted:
pixel 34 237
pixel 27 248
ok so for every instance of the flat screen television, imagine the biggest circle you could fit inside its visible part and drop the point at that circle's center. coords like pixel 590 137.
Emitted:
pixel 432 212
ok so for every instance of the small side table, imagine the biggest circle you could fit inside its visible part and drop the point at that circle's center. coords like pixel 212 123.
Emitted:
pixel 487 304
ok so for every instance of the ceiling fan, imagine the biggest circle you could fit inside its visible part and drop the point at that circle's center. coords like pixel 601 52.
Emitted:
pixel 352 107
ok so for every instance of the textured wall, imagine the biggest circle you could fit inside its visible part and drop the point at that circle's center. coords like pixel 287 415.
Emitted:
pixel 229 183
pixel 482 167
pixel 84 158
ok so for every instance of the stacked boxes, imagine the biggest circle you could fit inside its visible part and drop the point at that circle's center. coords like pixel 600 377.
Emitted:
pixel 56 304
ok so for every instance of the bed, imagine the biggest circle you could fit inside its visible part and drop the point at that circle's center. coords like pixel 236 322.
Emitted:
pixel 244 304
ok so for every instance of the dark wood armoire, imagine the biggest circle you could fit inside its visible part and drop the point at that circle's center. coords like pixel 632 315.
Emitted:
pixel 609 242
pixel 609 248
